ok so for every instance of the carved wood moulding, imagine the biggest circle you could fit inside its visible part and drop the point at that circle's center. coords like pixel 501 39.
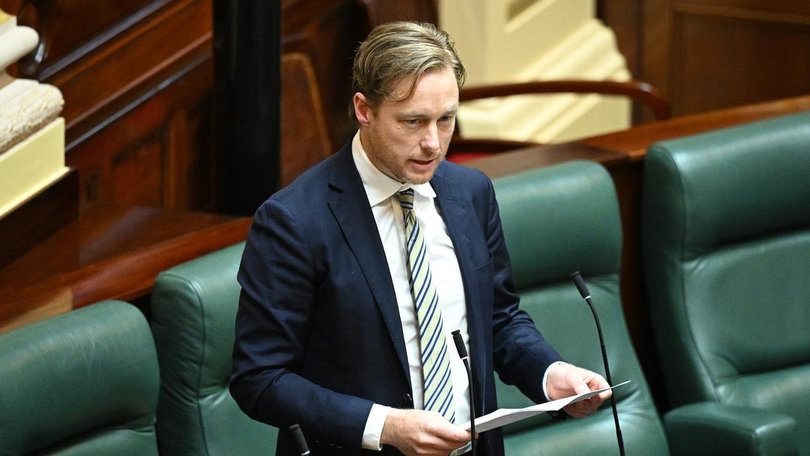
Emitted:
pixel 70 29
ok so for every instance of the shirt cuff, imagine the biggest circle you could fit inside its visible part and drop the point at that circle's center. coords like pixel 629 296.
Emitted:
pixel 545 377
pixel 374 427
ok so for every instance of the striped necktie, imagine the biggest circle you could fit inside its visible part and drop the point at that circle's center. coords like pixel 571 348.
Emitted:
pixel 435 361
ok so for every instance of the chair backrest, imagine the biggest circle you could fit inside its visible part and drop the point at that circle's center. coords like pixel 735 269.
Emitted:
pixel 558 220
pixel 726 243
pixel 81 383
pixel 193 311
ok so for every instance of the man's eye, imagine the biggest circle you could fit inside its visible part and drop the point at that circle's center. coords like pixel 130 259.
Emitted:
pixel 446 119
pixel 412 122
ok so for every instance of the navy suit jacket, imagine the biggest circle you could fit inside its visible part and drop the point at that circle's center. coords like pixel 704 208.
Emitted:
pixel 318 333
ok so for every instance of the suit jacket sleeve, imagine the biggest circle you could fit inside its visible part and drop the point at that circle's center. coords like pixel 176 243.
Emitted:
pixel 521 354
pixel 279 284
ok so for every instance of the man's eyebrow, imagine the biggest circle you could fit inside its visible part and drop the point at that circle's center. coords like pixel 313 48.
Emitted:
pixel 412 115
pixel 421 115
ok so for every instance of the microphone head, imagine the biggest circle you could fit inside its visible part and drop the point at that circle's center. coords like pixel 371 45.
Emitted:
pixel 460 348
pixel 580 284
pixel 300 441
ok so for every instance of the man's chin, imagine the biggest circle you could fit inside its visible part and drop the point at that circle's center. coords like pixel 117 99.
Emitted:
pixel 421 173
pixel 419 178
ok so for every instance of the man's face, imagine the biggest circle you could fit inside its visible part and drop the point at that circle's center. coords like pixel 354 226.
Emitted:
pixel 407 139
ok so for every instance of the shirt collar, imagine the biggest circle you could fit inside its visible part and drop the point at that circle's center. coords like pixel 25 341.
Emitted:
pixel 379 186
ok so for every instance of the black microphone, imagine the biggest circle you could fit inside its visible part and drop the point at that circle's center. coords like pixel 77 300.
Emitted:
pixel 462 353
pixel 586 295
pixel 300 441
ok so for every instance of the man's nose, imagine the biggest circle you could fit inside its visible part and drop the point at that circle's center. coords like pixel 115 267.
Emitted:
pixel 430 141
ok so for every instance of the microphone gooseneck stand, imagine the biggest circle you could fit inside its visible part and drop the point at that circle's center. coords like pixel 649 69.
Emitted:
pixel 462 353
pixel 586 295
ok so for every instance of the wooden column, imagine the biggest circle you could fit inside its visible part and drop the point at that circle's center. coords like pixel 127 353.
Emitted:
pixel 248 88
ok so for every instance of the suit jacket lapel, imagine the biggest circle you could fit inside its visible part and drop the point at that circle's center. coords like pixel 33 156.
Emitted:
pixel 459 220
pixel 349 204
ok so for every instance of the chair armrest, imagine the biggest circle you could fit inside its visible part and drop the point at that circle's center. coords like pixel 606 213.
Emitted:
pixel 638 91
pixel 709 428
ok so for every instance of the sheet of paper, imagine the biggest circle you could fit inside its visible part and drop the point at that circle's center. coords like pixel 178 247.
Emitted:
pixel 502 417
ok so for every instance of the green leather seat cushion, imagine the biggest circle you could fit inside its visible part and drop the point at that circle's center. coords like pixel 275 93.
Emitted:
pixel 84 382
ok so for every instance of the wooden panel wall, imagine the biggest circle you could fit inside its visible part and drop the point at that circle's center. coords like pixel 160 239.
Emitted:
pixel 328 31
pixel 137 80
pixel 624 18
pixel 137 77
pixel 712 54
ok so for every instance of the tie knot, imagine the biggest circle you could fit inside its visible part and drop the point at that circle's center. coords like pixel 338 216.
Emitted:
pixel 406 199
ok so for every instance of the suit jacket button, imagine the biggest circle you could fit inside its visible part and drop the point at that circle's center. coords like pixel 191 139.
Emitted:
pixel 408 400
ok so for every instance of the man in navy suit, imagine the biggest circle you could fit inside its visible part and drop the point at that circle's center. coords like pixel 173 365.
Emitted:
pixel 327 335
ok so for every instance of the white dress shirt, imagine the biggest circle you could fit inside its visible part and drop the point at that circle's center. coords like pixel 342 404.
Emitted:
pixel 381 192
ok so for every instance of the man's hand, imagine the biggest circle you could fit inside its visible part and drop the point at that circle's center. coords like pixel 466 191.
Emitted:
pixel 567 380
pixel 417 432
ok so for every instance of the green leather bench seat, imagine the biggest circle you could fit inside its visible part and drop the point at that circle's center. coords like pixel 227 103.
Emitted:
pixel 81 383
pixel 726 236
pixel 558 220
pixel 193 312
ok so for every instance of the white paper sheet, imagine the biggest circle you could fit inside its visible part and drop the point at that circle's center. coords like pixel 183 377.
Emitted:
pixel 502 417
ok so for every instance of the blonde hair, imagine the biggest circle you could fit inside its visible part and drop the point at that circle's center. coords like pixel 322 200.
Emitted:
pixel 401 50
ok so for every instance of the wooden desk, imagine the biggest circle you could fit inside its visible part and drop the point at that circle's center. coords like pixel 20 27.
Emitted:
pixel 635 141
pixel 622 153
pixel 108 253
pixel 627 146
pixel 542 155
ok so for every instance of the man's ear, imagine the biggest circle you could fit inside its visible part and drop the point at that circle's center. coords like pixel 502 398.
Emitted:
pixel 362 109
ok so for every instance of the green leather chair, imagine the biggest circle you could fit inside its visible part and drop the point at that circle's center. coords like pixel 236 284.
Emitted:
pixel 193 311
pixel 726 245
pixel 81 383
pixel 558 220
